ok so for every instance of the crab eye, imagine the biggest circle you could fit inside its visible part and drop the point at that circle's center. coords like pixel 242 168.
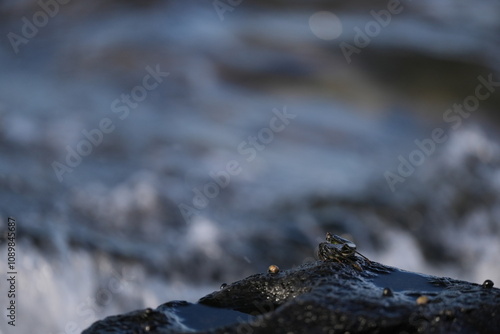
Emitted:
pixel 329 237
pixel 335 239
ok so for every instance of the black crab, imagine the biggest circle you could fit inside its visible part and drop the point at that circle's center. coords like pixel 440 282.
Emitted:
pixel 340 250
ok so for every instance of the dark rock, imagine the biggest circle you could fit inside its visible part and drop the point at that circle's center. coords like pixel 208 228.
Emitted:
pixel 171 317
pixel 331 297
pixel 138 322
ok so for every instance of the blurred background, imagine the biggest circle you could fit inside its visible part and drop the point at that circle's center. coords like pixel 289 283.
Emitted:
pixel 153 150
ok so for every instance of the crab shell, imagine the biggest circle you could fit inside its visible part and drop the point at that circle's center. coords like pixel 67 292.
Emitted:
pixel 336 240
pixel 339 253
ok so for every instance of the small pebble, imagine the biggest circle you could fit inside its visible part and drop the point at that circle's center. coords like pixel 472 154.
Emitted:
pixel 387 292
pixel 488 284
pixel 273 269
pixel 223 285
pixel 422 300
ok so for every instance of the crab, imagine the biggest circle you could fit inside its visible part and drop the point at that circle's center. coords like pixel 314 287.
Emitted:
pixel 340 250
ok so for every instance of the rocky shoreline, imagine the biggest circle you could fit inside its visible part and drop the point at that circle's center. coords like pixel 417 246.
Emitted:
pixel 325 297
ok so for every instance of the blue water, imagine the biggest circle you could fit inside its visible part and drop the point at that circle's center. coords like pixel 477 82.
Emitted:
pixel 399 281
pixel 202 318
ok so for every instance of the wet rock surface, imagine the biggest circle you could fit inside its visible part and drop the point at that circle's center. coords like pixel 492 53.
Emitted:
pixel 327 297
pixel 171 317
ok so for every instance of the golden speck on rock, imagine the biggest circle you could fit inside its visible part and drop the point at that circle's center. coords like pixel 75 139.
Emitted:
pixel 422 300
pixel 273 269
